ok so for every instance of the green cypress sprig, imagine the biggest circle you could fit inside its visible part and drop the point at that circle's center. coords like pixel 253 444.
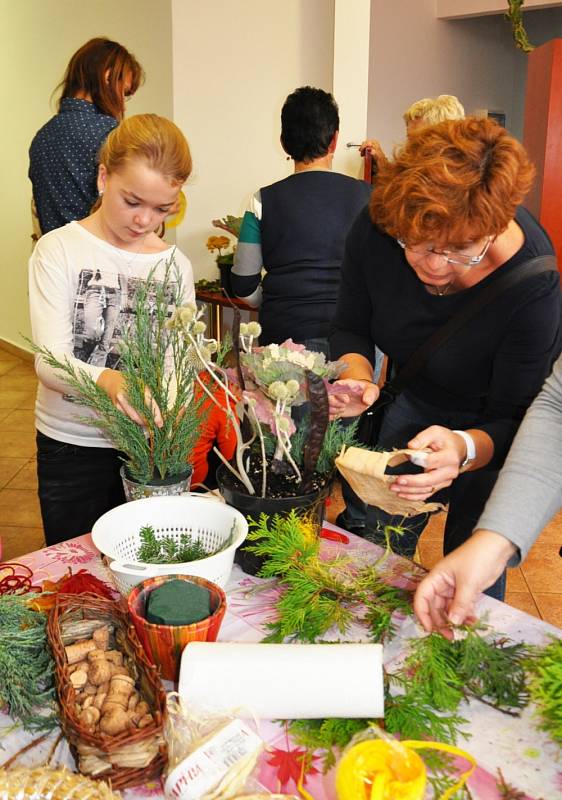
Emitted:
pixel 328 735
pixel 479 664
pixel 26 666
pixel 431 671
pixel 282 541
pixel 412 716
pixel 320 594
pixel 545 686
pixel 493 670
pixel 166 550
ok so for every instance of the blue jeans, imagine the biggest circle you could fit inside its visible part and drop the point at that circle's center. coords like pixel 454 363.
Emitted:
pixel 467 496
pixel 76 486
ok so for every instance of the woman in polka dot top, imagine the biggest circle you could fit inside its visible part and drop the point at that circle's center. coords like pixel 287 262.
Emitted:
pixel 63 157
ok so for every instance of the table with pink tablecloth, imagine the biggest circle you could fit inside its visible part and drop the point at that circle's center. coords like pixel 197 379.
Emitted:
pixel 528 759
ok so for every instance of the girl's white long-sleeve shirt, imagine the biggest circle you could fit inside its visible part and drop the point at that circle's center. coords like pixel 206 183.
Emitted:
pixel 81 296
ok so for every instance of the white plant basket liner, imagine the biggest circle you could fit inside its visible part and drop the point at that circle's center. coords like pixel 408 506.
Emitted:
pixel 117 535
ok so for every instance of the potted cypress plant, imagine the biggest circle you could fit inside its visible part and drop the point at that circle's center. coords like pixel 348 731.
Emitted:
pixel 154 356
pixel 278 466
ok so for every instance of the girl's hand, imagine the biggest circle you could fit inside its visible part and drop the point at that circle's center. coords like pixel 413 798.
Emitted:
pixel 113 384
pixel 441 465
pixel 361 395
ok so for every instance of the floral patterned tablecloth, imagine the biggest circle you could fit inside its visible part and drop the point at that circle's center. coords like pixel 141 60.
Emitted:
pixel 528 759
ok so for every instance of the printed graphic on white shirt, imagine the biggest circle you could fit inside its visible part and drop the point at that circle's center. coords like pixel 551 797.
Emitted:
pixel 104 314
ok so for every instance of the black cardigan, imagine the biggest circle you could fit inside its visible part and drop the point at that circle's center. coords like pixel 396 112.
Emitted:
pixel 494 366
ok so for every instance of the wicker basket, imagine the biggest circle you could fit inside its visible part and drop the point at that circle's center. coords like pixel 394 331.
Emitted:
pixel 133 756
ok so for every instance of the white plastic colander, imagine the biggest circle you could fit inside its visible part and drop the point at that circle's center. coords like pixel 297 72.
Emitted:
pixel 117 535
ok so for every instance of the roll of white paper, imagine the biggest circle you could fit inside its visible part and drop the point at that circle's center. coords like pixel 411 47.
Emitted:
pixel 284 681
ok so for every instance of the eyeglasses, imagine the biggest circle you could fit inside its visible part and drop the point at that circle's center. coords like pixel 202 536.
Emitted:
pixel 450 256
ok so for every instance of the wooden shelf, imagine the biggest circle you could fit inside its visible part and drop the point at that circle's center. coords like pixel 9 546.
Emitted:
pixel 217 301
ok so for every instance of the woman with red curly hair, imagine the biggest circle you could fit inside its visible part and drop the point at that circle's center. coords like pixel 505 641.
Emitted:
pixel 444 224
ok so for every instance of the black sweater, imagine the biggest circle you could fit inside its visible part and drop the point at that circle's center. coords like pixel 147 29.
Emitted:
pixel 494 365
pixel 305 220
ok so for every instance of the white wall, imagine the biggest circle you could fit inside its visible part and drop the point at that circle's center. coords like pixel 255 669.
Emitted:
pixel 36 41
pixel 352 20
pixel 475 59
pixel 414 55
pixel 234 64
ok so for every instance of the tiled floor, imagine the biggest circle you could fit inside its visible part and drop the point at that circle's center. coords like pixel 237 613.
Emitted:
pixel 536 587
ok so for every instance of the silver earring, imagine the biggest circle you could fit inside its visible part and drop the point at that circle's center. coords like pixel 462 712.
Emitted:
pixel 100 193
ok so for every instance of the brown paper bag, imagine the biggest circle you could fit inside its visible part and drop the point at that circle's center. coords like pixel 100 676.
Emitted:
pixel 365 471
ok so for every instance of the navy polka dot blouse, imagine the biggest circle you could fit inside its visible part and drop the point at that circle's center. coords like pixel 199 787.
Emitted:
pixel 63 160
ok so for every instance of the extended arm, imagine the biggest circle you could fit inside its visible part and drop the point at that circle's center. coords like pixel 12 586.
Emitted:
pixel 248 259
pixel 526 496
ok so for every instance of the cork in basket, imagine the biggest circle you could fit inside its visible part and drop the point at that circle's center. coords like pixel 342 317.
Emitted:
pixel 135 755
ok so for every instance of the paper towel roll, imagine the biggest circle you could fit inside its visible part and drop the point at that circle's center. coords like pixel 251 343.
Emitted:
pixel 284 681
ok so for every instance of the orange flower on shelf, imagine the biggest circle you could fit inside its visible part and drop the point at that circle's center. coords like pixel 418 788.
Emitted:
pixel 225 247
pixel 217 243
pixel 220 244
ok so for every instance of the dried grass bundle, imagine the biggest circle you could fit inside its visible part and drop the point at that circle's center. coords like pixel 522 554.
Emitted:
pixel 56 784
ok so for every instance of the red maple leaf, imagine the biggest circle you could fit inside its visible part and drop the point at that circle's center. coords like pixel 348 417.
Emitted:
pixel 289 764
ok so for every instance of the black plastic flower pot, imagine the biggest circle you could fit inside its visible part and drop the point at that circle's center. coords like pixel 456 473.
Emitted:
pixel 252 506
pixel 226 280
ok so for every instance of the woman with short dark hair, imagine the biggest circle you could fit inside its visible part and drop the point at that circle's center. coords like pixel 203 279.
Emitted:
pixel 444 226
pixel 63 157
pixel 295 228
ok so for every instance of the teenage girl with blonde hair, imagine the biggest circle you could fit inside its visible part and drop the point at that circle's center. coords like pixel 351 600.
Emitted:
pixel 143 165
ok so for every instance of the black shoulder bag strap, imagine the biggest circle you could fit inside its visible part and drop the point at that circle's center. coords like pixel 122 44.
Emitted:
pixel 534 266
